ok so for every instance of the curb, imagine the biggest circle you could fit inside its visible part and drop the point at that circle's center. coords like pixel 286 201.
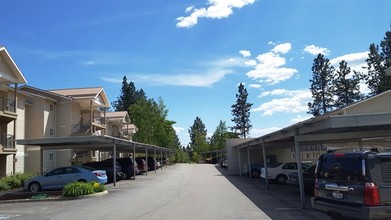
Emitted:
pixel 58 198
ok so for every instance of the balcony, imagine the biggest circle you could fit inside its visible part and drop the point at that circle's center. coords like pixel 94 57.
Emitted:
pixel 7 110
pixel 7 141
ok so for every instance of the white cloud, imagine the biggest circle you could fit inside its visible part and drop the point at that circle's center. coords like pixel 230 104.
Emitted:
pixel 270 67
pixel 250 63
pixel 300 118
pixel 282 48
pixel 178 130
pixel 292 101
pixel 245 53
pixel 315 50
pixel 193 79
pixel 255 86
pixel 112 80
pixel 354 60
pixel 258 132
pixel 216 9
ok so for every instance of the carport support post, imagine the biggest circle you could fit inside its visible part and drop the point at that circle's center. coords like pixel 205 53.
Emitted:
pixel 41 151
pixel 114 164
pixel 240 163
pixel 249 161
pixel 265 164
pixel 161 159
pixel 154 159
pixel 146 161
pixel 134 162
pixel 299 169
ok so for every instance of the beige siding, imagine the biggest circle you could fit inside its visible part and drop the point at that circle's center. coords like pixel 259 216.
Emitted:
pixel 68 116
pixel 380 104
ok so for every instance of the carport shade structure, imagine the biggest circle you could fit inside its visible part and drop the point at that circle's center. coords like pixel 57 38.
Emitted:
pixel 91 143
pixel 334 127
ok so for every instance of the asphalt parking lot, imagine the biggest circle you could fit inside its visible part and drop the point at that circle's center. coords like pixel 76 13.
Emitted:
pixel 181 191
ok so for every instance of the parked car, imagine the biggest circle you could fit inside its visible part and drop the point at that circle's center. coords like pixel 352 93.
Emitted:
pixel 58 178
pixel 128 166
pixel 142 164
pixel 256 168
pixel 279 172
pixel 308 179
pixel 354 185
pixel 107 165
pixel 224 163
pixel 152 163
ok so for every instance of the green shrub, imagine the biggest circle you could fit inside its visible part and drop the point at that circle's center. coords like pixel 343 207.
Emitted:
pixel 4 186
pixel 77 189
pixel 12 181
pixel 24 176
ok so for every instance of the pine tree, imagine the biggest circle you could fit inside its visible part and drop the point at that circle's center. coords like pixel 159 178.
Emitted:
pixel 321 86
pixel 378 61
pixel 241 113
pixel 129 95
pixel 198 134
pixel 347 86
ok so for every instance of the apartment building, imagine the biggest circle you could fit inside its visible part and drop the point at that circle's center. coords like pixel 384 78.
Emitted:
pixel 11 114
pixel 27 112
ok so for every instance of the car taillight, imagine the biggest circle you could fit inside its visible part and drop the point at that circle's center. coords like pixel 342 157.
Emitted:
pixel 371 195
pixel 98 174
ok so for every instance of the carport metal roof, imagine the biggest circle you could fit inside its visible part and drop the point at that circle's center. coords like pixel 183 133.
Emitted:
pixel 332 127
pixel 328 129
pixel 101 143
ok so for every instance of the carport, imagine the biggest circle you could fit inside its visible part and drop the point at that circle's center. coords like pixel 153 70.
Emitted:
pixel 363 124
pixel 92 143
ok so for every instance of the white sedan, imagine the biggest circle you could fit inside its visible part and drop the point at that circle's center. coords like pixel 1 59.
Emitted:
pixel 280 172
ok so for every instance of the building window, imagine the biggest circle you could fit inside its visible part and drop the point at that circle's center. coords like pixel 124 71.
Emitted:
pixel 51 107
pixel 51 156
pixel 51 131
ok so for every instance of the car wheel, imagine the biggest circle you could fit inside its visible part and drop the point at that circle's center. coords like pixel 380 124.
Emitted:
pixel 281 179
pixel 34 187
pixel 255 174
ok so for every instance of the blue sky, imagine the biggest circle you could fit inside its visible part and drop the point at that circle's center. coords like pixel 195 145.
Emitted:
pixel 193 53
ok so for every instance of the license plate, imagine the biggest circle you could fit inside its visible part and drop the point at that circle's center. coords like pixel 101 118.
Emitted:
pixel 337 195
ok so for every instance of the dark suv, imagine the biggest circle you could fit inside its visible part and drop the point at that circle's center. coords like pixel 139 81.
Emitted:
pixel 353 185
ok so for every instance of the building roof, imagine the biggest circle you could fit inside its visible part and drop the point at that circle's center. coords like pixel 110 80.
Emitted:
pixel 9 73
pixel 94 93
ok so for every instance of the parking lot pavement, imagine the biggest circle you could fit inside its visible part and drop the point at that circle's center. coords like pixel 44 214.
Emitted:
pixel 181 191
pixel 279 202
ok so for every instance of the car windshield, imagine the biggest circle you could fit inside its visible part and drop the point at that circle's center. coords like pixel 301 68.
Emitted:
pixel 341 169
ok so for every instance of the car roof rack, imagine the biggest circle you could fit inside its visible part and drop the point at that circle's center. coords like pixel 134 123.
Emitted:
pixel 357 149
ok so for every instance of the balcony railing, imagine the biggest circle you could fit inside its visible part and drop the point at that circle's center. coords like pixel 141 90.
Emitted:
pixel 7 140
pixel 7 104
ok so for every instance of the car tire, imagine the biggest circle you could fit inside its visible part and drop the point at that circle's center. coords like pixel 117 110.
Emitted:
pixel 281 179
pixel 255 173
pixel 82 181
pixel 34 187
